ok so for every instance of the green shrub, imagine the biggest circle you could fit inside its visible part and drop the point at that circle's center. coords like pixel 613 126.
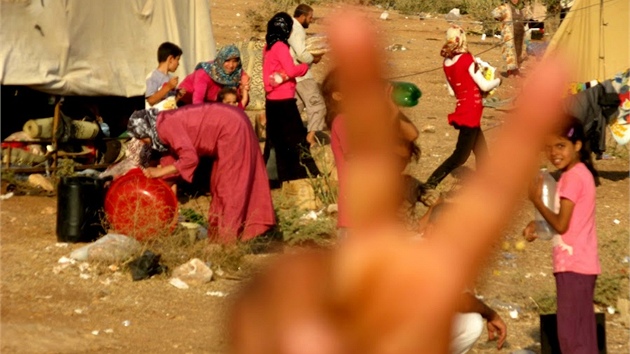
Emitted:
pixel 608 289
pixel 481 10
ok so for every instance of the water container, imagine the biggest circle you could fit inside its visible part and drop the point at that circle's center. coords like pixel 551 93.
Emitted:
pixel 543 229
pixel 405 94
pixel 79 207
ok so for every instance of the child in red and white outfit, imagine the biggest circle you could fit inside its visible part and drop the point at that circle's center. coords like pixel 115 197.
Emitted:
pixel 465 82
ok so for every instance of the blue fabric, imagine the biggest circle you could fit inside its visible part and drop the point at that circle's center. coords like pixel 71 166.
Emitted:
pixel 216 71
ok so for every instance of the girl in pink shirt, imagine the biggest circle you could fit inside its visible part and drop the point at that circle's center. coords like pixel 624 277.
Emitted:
pixel 575 259
pixel 286 133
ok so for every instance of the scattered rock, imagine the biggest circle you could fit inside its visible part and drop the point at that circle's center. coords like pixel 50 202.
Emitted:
pixel 384 16
pixel 6 196
pixel 396 47
pixel 178 283
pixel 453 15
pixel 193 272
pixel 216 293
pixel 428 129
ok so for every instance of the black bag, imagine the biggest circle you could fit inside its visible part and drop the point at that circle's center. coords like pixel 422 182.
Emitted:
pixel 146 266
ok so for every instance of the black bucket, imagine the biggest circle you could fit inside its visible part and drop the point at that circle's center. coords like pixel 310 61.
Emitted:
pixel 79 208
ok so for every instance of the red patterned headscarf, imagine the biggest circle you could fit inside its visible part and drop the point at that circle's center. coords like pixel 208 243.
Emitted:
pixel 456 42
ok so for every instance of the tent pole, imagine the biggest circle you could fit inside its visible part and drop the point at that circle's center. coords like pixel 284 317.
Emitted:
pixel 56 118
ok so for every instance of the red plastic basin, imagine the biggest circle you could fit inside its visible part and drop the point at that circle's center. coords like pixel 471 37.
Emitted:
pixel 140 207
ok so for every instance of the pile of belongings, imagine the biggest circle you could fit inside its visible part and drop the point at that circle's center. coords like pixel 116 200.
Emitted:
pixel 601 104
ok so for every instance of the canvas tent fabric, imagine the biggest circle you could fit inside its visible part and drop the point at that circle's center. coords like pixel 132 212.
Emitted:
pixel 595 35
pixel 96 47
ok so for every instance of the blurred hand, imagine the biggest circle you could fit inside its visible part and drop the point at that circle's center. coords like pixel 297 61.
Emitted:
pixel 378 292
pixel 172 83
pixel 535 189
pixel 530 231
pixel 497 330
pixel 160 171
pixel 180 93
pixel 152 172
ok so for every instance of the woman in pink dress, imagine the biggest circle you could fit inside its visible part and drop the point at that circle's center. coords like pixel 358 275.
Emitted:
pixel 465 82
pixel 241 206
pixel 226 70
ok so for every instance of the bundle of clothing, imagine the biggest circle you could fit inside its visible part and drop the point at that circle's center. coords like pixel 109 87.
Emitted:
pixel 599 105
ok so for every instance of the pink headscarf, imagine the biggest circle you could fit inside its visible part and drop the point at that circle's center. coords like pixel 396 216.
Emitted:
pixel 456 42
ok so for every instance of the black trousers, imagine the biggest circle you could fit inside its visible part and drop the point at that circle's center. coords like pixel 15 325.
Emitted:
pixel 469 140
pixel 286 134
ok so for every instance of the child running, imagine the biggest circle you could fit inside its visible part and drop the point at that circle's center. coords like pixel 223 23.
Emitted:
pixel 575 259
pixel 465 82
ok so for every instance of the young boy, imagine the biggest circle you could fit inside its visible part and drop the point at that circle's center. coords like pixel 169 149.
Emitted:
pixel 160 84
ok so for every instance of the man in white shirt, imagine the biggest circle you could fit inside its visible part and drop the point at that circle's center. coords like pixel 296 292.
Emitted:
pixel 307 90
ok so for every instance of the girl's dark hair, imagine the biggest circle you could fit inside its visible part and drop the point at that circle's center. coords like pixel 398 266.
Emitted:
pixel 279 29
pixel 574 132
pixel 329 86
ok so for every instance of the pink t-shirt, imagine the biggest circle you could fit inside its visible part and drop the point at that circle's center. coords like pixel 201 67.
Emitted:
pixel 339 148
pixel 278 60
pixel 576 250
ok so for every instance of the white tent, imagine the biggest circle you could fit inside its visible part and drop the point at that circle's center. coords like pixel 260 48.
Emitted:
pixel 98 47
pixel 596 37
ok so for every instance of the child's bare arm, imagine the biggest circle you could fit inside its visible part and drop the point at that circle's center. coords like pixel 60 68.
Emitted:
pixel 245 90
pixel 408 130
pixel 559 221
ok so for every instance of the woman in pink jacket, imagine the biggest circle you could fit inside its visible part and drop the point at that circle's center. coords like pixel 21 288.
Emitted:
pixel 286 133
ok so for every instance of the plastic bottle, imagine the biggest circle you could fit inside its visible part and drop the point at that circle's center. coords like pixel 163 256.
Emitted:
pixel 543 229
pixel 405 94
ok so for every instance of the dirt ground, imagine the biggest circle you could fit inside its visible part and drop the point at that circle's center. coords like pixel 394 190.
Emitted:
pixel 103 311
